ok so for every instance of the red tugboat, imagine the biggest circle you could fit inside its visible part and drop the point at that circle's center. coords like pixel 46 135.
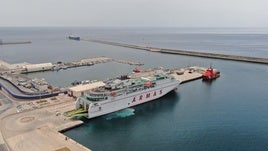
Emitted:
pixel 210 74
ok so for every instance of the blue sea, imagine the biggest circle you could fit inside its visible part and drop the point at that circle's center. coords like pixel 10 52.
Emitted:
pixel 229 113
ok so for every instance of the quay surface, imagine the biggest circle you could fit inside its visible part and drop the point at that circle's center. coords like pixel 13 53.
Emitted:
pixel 183 52
pixel 189 74
pixel 38 129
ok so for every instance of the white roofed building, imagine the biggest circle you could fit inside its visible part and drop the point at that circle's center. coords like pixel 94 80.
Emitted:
pixel 79 90
pixel 37 67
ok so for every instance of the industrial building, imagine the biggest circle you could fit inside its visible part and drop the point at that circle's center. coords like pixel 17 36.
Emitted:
pixel 37 67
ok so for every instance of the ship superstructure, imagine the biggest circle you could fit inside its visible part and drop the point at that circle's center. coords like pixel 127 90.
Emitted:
pixel 126 91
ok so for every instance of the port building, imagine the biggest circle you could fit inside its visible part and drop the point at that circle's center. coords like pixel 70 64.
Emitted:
pixel 37 67
pixel 81 89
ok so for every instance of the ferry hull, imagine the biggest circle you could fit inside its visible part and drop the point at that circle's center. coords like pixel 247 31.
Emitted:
pixel 126 101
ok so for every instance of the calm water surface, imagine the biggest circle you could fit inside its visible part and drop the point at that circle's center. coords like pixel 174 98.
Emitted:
pixel 229 113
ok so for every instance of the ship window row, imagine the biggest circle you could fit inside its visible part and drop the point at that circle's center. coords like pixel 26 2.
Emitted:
pixel 97 95
pixel 97 99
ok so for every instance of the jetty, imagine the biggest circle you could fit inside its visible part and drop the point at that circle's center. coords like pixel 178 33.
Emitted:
pixel 188 74
pixel 41 67
pixel 184 52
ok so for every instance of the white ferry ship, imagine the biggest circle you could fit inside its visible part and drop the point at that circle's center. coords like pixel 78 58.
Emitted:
pixel 125 92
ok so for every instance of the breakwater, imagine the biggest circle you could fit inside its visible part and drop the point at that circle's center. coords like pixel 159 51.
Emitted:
pixel 184 52
pixel 15 42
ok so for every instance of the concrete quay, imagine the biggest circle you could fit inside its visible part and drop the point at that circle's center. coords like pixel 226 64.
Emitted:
pixel 183 52
pixel 37 129
pixel 27 67
pixel 188 74
pixel 184 75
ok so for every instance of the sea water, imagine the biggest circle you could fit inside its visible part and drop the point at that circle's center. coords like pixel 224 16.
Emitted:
pixel 229 113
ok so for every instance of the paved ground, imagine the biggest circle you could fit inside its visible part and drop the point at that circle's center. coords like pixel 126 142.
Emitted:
pixel 43 139
pixel 189 74
pixel 6 106
pixel 36 129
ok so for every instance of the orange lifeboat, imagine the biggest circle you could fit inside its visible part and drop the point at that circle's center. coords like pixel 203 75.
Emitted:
pixel 137 70
pixel 148 84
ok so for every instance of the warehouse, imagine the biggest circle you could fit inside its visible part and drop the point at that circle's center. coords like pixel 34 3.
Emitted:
pixel 37 67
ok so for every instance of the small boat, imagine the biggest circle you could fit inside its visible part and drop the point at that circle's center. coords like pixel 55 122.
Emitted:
pixel 210 74
pixel 137 70
pixel 72 37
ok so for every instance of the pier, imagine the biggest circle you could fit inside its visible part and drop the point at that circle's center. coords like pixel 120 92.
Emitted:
pixel 184 75
pixel 188 74
pixel 28 67
pixel 184 52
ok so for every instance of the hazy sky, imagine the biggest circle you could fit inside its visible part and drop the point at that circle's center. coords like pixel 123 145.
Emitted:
pixel 174 13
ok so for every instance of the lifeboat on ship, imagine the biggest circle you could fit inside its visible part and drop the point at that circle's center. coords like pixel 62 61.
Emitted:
pixel 113 93
pixel 137 70
pixel 210 74
pixel 148 84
